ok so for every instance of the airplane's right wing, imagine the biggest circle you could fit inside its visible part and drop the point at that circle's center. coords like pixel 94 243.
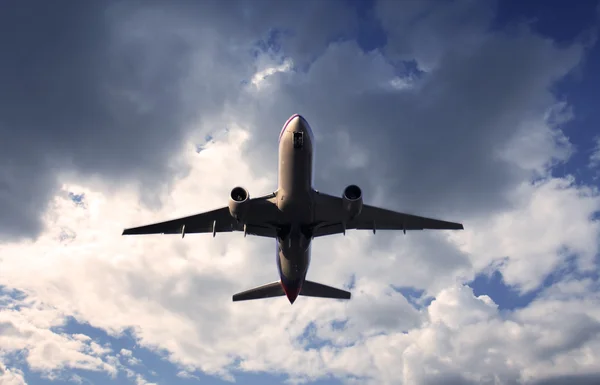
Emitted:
pixel 332 219
pixel 262 221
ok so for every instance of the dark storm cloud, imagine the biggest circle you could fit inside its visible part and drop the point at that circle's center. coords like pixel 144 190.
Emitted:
pixel 576 379
pixel 107 88
pixel 448 379
pixel 67 99
pixel 425 30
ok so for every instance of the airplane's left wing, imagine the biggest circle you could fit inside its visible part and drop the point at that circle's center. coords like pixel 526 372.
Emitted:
pixel 332 219
pixel 261 221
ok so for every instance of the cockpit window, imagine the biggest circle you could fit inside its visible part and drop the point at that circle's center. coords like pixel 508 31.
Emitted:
pixel 298 140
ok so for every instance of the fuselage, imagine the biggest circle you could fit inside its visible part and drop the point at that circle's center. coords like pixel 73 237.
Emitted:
pixel 295 201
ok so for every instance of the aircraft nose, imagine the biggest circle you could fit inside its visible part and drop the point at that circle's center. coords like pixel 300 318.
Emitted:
pixel 297 123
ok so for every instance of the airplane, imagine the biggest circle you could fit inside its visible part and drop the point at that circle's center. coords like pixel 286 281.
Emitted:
pixel 294 215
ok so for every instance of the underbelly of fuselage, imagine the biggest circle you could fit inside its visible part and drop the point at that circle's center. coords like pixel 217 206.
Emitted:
pixel 293 244
pixel 293 261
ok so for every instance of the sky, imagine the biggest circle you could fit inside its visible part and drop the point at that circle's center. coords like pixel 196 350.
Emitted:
pixel 120 113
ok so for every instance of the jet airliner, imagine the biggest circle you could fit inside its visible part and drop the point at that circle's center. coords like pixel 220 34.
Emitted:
pixel 294 215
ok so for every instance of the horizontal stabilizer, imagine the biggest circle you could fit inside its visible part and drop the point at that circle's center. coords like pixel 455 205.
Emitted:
pixel 269 290
pixel 314 289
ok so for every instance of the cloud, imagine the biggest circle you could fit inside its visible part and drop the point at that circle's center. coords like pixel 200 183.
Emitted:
pixel 471 136
pixel 11 376
pixel 182 303
pixel 28 327
pixel 113 103
pixel 467 102
pixel 595 157
pixel 259 77
pixel 550 223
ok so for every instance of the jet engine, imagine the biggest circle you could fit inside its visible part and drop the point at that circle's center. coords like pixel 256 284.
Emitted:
pixel 352 200
pixel 238 200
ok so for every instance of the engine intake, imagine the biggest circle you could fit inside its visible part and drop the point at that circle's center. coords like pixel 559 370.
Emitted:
pixel 352 200
pixel 238 199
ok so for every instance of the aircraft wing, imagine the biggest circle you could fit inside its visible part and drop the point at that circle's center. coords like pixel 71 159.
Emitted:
pixel 332 219
pixel 262 220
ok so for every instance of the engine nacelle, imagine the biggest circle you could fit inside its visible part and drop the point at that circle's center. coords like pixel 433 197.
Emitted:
pixel 238 199
pixel 352 200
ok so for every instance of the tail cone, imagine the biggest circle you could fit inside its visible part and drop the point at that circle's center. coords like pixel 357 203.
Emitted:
pixel 291 292
pixel 292 295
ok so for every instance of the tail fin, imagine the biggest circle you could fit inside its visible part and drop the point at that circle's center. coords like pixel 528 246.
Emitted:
pixel 272 289
pixel 314 289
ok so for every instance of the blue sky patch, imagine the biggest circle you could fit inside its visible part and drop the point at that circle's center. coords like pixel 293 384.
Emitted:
pixel 506 297
pixel 78 199
pixel 415 297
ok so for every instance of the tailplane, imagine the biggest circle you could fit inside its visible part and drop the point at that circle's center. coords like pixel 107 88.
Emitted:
pixel 274 289
pixel 314 289
pixel 269 290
